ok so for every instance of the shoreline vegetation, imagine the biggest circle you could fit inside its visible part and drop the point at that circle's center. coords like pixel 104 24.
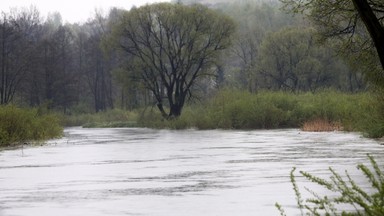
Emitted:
pixel 229 109
pixel 19 126
pixel 235 109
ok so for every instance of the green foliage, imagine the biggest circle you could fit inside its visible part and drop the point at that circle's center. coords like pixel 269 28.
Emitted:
pixel 246 110
pixel 333 20
pixel 27 125
pixel 370 119
pixel 152 118
pixel 233 109
pixel 282 109
pixel 343 192
pixel 116 124
pixel 109 118
pixel 290 59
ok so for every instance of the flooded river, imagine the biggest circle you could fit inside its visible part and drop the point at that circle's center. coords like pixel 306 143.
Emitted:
pixel 171 173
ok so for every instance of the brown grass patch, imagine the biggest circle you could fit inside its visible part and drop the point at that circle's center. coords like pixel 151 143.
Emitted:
pixel 321 125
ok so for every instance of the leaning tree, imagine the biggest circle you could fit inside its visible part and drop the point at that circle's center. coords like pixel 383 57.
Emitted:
pixel 168 47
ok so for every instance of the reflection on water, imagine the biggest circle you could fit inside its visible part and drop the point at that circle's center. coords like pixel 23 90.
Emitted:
pixel 161 172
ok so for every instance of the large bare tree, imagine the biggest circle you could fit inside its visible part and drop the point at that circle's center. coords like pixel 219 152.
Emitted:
pixel 170 46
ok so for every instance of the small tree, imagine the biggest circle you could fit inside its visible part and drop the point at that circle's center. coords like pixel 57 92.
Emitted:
pixel 170 46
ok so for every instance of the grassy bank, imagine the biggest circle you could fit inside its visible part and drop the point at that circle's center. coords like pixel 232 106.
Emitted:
pixel 269 110
pixel 230 109
pixel 18 126
pixel 110 118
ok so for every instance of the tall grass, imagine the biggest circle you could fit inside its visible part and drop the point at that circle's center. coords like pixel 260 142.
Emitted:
pixel 370 116
pixel 26 125
pixel 234 109
pixel 110 118
pixel 231 109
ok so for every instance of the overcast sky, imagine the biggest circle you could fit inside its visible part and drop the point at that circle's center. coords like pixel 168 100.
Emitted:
pixel 74 10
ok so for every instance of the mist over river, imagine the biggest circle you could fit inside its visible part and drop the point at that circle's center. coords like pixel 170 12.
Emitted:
pixel 138 171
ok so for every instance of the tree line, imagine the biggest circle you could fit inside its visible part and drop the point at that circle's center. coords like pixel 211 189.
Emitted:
pixel 48 62
pixel 166 54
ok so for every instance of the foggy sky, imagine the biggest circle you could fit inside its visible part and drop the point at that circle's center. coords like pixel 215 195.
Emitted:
pixel 74 10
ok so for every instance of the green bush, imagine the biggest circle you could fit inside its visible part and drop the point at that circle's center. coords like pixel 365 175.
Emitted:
pixel 267 110
pixel 26 125
pixel 370 116
pixel 243 110
pixel 343 192
pixel 330 105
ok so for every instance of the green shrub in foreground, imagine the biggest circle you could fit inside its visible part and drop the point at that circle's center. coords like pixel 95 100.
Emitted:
pixel 346 193
pixel 26 125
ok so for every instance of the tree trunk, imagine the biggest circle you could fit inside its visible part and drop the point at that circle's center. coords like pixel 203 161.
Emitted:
pixel 3 56
pixel 373 26
pixel 175 111
pixel 161 108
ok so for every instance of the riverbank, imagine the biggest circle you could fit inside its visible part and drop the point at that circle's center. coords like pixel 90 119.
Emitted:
pixel 230 109
pixel 20 126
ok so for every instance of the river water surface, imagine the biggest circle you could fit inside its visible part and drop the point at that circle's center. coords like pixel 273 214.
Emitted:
pixel 171 173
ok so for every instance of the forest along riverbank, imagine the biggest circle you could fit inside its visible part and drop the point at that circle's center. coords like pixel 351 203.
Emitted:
pixel 141 171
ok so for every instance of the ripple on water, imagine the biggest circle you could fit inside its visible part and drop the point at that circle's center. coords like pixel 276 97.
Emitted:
pixel 162 172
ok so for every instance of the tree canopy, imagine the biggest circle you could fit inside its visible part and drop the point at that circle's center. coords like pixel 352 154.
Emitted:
pixel 358 21
pixel 291 60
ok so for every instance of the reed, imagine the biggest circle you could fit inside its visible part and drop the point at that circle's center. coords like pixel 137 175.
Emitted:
pixel 321 125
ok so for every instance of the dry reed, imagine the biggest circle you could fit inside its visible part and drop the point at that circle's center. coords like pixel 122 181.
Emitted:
pixel 321 125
